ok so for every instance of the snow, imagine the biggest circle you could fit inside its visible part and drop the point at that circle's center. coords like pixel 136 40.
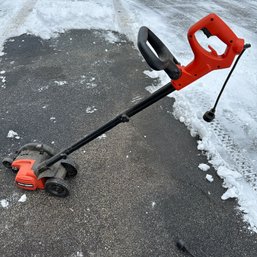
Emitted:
pixel 53 119
pixel 23 198
pixel 60 83
pixel 4 203
pixel 91 109
pixel 13 134
pixel 102 136
pixel 209 178
pixel 230 141
pixel 203 167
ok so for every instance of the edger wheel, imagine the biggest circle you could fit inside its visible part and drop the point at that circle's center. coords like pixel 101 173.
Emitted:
pixel 57 187
pixel 7 162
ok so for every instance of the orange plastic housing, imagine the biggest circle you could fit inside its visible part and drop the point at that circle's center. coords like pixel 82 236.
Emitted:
pixel 26 178
pixel 205 61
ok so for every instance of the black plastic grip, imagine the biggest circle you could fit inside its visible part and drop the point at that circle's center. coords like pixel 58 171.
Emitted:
pixel 164 60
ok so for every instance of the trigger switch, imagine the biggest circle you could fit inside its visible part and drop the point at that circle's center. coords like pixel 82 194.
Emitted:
pixel 206 32
pixel 213 51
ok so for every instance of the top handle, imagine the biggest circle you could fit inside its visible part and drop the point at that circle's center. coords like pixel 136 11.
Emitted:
pixel 206 61
pixel 164 60
pixel 213 25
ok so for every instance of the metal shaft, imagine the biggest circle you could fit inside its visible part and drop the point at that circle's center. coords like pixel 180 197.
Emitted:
pixel 123 117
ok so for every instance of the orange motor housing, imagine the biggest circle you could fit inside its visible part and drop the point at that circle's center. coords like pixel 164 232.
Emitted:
pixel 26 177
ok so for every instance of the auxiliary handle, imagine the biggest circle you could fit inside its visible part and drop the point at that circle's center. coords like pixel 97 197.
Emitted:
pixel 164 61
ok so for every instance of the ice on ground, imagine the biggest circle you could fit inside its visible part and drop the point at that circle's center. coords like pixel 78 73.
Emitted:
pixel 209 177
pixel 203 167
pixel 23 198
pixel 4 203
pixel 13 134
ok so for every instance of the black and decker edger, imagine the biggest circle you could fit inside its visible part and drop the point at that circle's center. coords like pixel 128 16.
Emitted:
pixel 39 166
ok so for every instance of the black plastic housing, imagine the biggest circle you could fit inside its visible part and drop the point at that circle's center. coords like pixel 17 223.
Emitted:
pixel 164 60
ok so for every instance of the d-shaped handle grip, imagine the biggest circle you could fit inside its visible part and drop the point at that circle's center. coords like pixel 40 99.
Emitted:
pixel 163 59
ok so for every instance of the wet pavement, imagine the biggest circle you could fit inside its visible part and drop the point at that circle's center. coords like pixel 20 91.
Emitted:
pixel 139 188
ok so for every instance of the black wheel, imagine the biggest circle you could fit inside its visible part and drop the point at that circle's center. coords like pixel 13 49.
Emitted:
pixel 71 167
pixel 57 187
pixel 7 162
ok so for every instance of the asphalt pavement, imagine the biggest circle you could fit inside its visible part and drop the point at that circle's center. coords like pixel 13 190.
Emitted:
pixel 139 188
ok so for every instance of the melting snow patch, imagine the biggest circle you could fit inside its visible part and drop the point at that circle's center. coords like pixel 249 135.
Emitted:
pixel 90 85
pixel 53 119
pixel 3 78
pixel 152 74
pixel 60 83
pixel 203 167
pixel 153 204
pixel 209 178
pixel 23 198
pixel 2 72
pixel 102 136
pixel 41 89
pixel 111 37
pixel 79 254
pixel 13 134
pixel 4 203
pixel 91 109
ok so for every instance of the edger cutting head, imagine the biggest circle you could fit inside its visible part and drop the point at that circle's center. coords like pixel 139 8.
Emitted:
pixel 28 177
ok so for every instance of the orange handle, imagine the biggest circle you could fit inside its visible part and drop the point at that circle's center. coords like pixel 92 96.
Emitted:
pixel 205 61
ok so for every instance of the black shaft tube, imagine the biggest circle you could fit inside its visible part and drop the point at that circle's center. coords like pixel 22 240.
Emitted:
pixel 156 96
pixel 124 117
